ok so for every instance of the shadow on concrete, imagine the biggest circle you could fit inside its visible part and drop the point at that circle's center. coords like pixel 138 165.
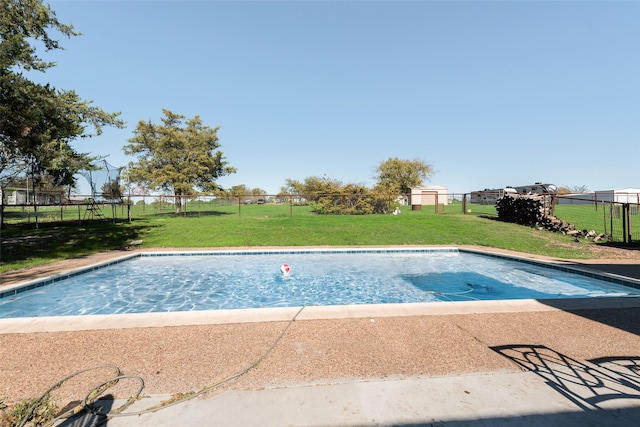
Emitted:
pixel 594 385
pixel 94 418
pixel 619 418
pixel 606 390
pixel 631 270
pixel 622 314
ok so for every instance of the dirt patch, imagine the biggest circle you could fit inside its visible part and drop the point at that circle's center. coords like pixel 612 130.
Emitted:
pixel 604 252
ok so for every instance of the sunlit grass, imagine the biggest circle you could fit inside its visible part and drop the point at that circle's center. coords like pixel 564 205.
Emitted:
pixel 270 225
pixel 584 217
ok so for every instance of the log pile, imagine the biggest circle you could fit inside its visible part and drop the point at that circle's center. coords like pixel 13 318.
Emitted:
pixel 522 209
pixel 534 210
pixel 557 225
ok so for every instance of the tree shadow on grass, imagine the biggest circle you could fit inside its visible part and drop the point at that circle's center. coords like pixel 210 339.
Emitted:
pixel 55 242
pixel 190 214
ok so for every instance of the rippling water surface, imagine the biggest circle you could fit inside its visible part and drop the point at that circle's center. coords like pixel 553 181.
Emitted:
pixel 208 282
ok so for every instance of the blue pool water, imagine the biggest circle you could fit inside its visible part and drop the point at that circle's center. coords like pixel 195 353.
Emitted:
pixel 251 280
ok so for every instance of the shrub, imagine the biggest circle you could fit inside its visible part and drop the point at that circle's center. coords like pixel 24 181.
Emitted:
pixel 37 411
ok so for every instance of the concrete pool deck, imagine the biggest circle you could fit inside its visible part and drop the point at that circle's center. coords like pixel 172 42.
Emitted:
pixel 559 362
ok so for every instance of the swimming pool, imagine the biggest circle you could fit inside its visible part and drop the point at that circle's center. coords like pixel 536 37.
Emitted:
pixel 169 282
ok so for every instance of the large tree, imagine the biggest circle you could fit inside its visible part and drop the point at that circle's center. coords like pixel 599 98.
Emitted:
pixel 179 156
pixel 39 122
pixel 396 175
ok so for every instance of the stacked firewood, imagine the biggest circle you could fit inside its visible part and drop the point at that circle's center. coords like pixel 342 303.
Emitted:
pixel 529 209
pixel 534 210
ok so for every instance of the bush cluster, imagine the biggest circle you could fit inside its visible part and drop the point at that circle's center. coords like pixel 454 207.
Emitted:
pixel 351 204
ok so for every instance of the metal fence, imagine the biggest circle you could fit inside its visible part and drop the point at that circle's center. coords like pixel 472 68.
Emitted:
pixel 618 220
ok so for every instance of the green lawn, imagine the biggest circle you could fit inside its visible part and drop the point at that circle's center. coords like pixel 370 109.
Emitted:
pixel 584 217
pixel 271 225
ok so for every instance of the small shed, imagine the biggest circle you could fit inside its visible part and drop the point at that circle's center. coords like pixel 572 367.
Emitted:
pixel 429 195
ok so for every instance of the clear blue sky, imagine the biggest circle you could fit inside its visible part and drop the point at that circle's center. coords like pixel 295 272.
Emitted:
pixel 490 93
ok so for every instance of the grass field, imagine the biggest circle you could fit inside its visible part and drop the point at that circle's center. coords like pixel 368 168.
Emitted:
pixel 270 225
pixel 584 217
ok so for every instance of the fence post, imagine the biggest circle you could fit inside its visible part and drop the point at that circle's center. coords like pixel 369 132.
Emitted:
pixel 604 217
pixel 184 202
pixel 611 218
pixel 629 222
pixel 626 237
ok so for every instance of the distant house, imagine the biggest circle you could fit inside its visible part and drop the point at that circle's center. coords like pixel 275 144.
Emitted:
pixel 620 195
pixel 491 196
pixel 22 196
pixel 429 195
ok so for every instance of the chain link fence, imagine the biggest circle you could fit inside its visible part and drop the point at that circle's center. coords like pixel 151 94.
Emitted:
pixel 620 221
